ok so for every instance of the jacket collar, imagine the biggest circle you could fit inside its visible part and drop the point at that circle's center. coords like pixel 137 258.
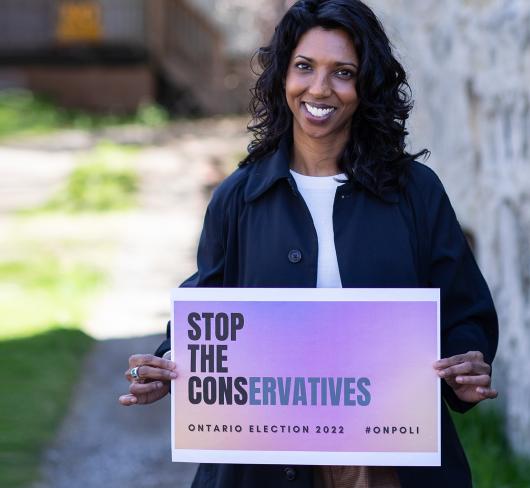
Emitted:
pixel 274 167
pixel 267 171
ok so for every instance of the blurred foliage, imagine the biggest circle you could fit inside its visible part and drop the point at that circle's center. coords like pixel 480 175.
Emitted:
pixel 46 293
pixel 39 374
pixel 151 116
pixel 493 463
pixel 24 113
pixel 44 289
pixel 103 181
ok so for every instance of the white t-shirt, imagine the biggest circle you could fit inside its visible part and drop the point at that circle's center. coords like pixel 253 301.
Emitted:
pixel 319 195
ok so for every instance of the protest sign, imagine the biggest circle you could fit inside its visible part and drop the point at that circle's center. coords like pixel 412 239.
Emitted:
pixel 306 376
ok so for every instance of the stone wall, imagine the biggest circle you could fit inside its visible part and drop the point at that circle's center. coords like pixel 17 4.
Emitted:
pixel 469 65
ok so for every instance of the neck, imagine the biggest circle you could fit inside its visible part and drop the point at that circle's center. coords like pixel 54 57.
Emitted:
pixel 317 157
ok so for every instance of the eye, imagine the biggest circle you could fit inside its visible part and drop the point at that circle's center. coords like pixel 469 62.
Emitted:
pixel 345 74
pixel 302 66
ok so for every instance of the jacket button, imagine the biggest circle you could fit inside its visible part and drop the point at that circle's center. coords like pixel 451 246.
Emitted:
pixel 295 256
pixel 290 473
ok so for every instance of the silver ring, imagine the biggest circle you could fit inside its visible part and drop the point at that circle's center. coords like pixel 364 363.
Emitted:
pixel 134 373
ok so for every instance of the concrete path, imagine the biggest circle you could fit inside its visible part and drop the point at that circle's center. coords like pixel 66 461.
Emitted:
pixel 30 177
pixel 157 245
pixel 104 445
pixel 100 443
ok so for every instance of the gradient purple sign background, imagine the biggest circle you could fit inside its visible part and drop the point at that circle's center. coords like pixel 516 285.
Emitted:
pixel 392 342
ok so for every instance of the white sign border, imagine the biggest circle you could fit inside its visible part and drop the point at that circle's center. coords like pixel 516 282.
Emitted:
pixel 326 458
pixel 307 457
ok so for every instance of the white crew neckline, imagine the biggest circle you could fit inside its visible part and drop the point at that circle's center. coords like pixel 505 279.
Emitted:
pixel 318 182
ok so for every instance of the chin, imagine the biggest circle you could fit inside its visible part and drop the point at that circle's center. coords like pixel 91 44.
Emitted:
pixel 320 132
pixel 318 135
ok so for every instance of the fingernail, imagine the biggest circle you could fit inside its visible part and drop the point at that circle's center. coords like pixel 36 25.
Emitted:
pixel 159 385
pixel 133 400
pixel 481 391
pixel 173 375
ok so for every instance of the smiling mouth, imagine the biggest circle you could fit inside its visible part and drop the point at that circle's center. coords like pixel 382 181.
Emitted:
pixel 320 111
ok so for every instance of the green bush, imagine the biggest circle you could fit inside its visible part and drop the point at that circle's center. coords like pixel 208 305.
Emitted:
pixel 103 181
pixel 152 116
pixel 24 113
pixel 493 463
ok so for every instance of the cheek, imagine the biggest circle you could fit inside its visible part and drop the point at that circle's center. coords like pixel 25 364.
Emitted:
pixel 348 96
pixel 293 86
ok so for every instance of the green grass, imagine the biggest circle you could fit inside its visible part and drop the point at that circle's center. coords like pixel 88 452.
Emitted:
pixel 43 300
pixel 47 286
pixel 493 464
pixel 42 290
pixel 105 180
pixel 38 375
pixel 23 114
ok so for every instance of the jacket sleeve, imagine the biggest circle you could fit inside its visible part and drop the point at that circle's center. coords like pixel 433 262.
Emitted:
pixel 210 259
pixel 468 316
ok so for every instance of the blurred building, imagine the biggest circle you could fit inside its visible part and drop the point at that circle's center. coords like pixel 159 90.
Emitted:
pixel 245 26
pixel 193 56
pixel 113 55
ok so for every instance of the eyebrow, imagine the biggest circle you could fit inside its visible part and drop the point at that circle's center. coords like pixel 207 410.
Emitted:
pixel 338 63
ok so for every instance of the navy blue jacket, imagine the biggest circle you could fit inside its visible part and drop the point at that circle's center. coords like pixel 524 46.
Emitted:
pixel 258 232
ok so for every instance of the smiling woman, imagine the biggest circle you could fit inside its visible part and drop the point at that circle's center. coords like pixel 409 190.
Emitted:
pixel 330 69
pixel 329 197
pixel 321 93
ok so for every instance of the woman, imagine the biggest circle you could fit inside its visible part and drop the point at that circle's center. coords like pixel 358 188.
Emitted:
pixel 328 197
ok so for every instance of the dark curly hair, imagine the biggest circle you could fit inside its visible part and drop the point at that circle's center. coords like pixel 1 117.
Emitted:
pixel 375 152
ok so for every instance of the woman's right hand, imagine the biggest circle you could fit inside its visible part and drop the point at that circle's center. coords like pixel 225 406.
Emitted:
pixel 154 377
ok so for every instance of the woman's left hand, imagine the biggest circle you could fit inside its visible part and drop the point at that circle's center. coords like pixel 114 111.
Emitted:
pixel 468 375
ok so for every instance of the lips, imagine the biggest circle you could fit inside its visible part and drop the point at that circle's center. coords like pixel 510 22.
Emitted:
pixel 319 110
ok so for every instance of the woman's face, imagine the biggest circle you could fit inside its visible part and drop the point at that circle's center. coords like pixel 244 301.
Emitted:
pixel 320 83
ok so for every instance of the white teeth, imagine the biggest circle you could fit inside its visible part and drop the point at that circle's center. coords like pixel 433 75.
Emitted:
pixel 318 112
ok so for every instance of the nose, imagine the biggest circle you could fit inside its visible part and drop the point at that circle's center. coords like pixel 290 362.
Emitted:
pixel 320 87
